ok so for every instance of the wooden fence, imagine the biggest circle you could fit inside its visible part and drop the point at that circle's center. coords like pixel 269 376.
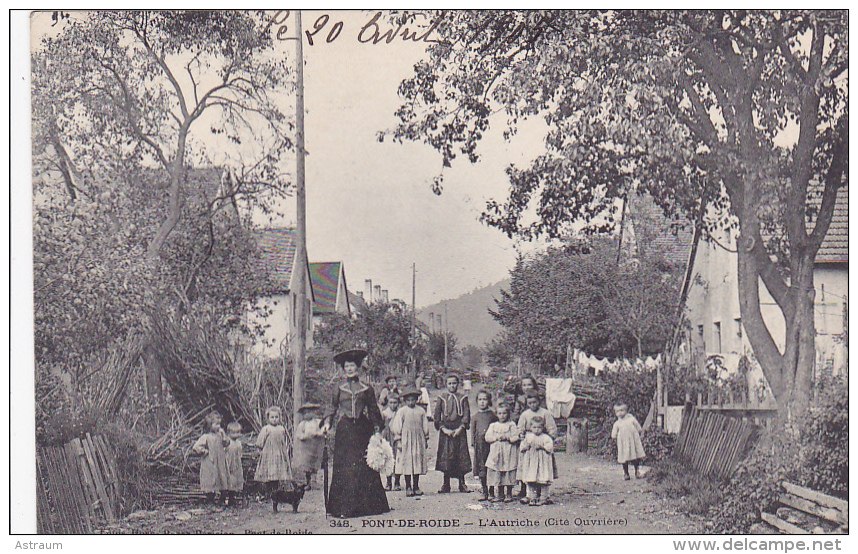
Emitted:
pixel 807 511
pixel 77 486
pixel 712 443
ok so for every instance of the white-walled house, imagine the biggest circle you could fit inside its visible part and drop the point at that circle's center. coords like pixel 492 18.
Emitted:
pixel 713 300
pixel 278 247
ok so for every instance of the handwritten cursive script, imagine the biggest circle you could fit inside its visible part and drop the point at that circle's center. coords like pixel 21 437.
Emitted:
pixel 374 31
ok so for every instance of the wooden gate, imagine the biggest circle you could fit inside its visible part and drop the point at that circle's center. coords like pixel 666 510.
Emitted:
pixel 712 443
pixel 76 486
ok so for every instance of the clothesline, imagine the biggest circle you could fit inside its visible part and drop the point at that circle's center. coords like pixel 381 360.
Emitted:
pixel 609 364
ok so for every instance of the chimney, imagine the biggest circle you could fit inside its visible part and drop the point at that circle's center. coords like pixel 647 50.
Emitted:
pixel 384 297
pixel 376 296
pixel 432 320
pixel 440 328
pixel 367 291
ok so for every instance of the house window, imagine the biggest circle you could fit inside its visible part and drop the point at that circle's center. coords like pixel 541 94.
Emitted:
pixel 738 323
pixel 700 338
pixel 718 336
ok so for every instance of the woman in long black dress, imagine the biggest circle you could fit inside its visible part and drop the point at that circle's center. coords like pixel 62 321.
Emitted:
pixel 356 489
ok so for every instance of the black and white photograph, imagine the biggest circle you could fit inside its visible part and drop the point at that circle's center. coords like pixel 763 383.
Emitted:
pixel 433 272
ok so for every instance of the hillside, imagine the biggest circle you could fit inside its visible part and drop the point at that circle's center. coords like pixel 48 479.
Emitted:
pixel 468 315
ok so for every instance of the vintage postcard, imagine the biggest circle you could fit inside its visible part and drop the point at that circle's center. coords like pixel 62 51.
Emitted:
pixel 439 272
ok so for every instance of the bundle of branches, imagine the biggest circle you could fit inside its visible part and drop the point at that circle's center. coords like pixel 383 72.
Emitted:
pixel 267 383
pixel 199 369
pixel 111 376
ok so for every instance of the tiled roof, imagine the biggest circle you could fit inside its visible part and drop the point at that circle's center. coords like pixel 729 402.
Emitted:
pixel 277 248
pixel 326 281
pixel 357 302
pixel 835 245
pixel 668 237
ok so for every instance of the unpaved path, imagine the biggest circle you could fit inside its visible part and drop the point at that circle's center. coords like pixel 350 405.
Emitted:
pixel 589 497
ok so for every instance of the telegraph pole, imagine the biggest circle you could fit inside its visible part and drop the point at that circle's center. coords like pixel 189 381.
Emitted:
pixel 301 308
pixel 446 332
pixel 414 316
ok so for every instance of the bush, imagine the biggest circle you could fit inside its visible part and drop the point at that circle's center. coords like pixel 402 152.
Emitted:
pixel 694 493
pixel 657 444
pixel 810 451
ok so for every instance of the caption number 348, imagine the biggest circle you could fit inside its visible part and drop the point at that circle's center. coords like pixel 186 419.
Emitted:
pixel 281 16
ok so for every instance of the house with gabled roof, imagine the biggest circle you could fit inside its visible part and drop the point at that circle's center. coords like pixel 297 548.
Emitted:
pixel 713 298
pixel 276 308
pixel 330 290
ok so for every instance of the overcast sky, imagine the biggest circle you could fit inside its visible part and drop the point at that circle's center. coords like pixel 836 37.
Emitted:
pixel 370 204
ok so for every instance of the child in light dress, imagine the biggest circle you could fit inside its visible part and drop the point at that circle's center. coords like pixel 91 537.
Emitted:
pixel 309 444
pixel 273 466
pixel 502 463
pixel 393 480
pixel 479 425
pixel 410 428
pixel 233 463
pixel 536 467
pixel 534 408
pixel 626 432
pixel 214 475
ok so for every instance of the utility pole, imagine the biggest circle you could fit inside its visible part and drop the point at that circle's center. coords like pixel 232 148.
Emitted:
pixel 300 351
pixel 446 332
pixel 414 316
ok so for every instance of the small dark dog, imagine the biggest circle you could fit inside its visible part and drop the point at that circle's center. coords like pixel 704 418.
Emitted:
pixel 292 497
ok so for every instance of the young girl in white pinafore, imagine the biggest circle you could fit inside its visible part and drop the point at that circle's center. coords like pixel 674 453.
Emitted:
pixel 214 476
pixel 502 463
pixel 626 432
pixel 273 466
pixel 388 413
pixel 410 428
pixel 536 467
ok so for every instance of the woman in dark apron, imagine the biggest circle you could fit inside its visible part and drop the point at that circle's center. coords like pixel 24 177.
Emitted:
pixel 356 489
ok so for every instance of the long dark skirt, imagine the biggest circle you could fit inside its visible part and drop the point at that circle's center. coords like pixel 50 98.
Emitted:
pixel 356 489
pixel 453 456
pixel 481 454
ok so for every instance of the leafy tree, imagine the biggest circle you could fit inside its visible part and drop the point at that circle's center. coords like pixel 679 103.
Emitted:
pixel 472 356
pixel 125 105
pixel 579 296
pixel 384 329
pixel 697 108
pixel 435 348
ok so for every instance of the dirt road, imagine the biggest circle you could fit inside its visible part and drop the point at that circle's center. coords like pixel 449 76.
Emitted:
pixel 589 497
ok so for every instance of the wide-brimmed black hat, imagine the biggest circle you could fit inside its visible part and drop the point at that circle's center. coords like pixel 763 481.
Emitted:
pixel 355 355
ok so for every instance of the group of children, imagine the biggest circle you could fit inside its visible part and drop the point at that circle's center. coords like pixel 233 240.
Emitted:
pixel 506 452
pixel 221 471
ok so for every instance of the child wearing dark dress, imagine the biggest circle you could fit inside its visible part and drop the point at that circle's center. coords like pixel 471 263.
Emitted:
pixel 479 425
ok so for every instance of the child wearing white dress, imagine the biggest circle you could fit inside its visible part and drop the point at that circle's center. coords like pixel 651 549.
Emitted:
pixel 627 433
pixel 536 467
pixel 214 476
pixel 533 408
pixel 273 466
pixel 410 428
pixel 502 436
pixel 393 480
pixel 233 462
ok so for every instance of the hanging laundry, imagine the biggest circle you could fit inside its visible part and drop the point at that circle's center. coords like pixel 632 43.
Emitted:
pixel 559 398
